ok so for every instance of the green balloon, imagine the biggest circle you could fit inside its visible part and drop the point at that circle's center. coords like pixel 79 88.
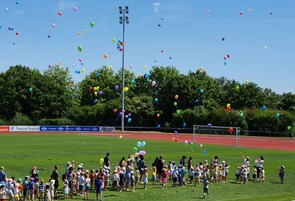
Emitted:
pixel 31 89
pixel 289 127
pixel 92 24
pixel 175 103
pixel 80 48
pixel 134 149
pixel 178 111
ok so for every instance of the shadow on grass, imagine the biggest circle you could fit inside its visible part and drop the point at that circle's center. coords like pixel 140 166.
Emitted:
pixel 111 195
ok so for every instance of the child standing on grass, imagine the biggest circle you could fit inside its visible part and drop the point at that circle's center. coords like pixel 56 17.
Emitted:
pixel 47 196
pixel 206 186
pixel 66 188
pixel 98 188
pixel 2 193
pixel 282 173
pixel 31 186
pixel 41 190
pixel 145 177
pixel 87 187
pixel 254 174
pixel 132 181
pixel 154 175
pixel 91 176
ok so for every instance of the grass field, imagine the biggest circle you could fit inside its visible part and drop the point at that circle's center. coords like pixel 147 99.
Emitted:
pixel 19 152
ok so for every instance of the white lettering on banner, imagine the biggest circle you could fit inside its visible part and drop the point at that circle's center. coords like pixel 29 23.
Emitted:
pixel 24 128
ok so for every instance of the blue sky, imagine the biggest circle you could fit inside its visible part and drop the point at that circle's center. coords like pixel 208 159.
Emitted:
pixel 261 41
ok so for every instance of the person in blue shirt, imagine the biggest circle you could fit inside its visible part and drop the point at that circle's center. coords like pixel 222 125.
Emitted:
pixel 2 176
pixel 98 188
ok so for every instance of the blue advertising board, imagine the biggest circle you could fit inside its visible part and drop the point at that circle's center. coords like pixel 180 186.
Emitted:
pixel 70 128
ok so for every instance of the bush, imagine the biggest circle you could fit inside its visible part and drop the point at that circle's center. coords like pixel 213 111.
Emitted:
pixel 21 119
pixel 59 121
pixel 3 122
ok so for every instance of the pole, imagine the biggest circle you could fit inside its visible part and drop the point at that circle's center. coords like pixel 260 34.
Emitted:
pixel 123 74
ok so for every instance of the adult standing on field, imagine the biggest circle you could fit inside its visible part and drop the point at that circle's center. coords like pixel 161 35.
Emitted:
pixel 55 176
pixel 2 176
pixel 259 165
pixel 106 160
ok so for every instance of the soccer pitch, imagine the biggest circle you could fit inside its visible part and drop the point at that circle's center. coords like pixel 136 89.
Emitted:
pixel 19 152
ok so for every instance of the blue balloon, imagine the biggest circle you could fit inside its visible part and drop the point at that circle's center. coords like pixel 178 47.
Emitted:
pixel 202 91
pixel 143 143
pixel 129 120
pixel 159 125
pixel 146 75
pixel 263 107
pixel 184 124
pixel 156 99
pixel 139 144
pixel 204 152
pixel 278 115
pixel 132 81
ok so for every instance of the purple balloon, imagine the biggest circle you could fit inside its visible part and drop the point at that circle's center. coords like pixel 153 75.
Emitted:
pixel 121 113
pixel 100 92
pixel 116 87
pixel 209 124
pixel 196 101
pixel 95 101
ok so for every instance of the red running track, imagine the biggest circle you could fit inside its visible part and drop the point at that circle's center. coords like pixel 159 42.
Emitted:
pixel 243 141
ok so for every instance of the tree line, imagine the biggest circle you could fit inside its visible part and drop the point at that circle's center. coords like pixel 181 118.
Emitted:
pixel 162 97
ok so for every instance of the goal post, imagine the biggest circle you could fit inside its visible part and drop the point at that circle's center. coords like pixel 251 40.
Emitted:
pixel 213 131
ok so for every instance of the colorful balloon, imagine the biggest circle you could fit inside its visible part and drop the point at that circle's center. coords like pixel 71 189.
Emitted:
pixel 80 48
pixel 129 120
pixel 105 56
pixel 263 107
pixel 126 89
pixel 143 143
pixel 178 111
pixel 138 144
pixel 175 103
pixel 101 161
pixel 53 25
pixel 176 97
pixel 154 83
pixel 202 91
pixel 75 8
pixel 278 115
pixel 156 100
pixel 59 14
pixel 158 115
pixel 230 130
pixel 91 24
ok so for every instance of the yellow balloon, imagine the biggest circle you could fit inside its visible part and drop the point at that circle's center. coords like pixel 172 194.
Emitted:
pixel 228 105
pixel 95 93
pixel 158 115
pixel 126 89
pixel 113 40
pixel 120 136
pixel 83 70
pixel 144 67
pixel 237 87
pixel 101 160
pixel 247 81
pixel 110 66
pixel 249 9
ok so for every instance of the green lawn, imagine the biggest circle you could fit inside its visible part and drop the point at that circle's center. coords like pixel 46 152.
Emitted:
pixel 19 152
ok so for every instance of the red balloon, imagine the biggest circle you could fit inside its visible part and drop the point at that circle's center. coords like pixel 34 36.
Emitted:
pixel 228 55
pixel 90 88
pixel 230 130
pixel 228 109
pixel 16 33
pixel 59 13
pixel 115 110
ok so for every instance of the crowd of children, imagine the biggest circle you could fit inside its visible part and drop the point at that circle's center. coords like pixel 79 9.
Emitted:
pixel 126 176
